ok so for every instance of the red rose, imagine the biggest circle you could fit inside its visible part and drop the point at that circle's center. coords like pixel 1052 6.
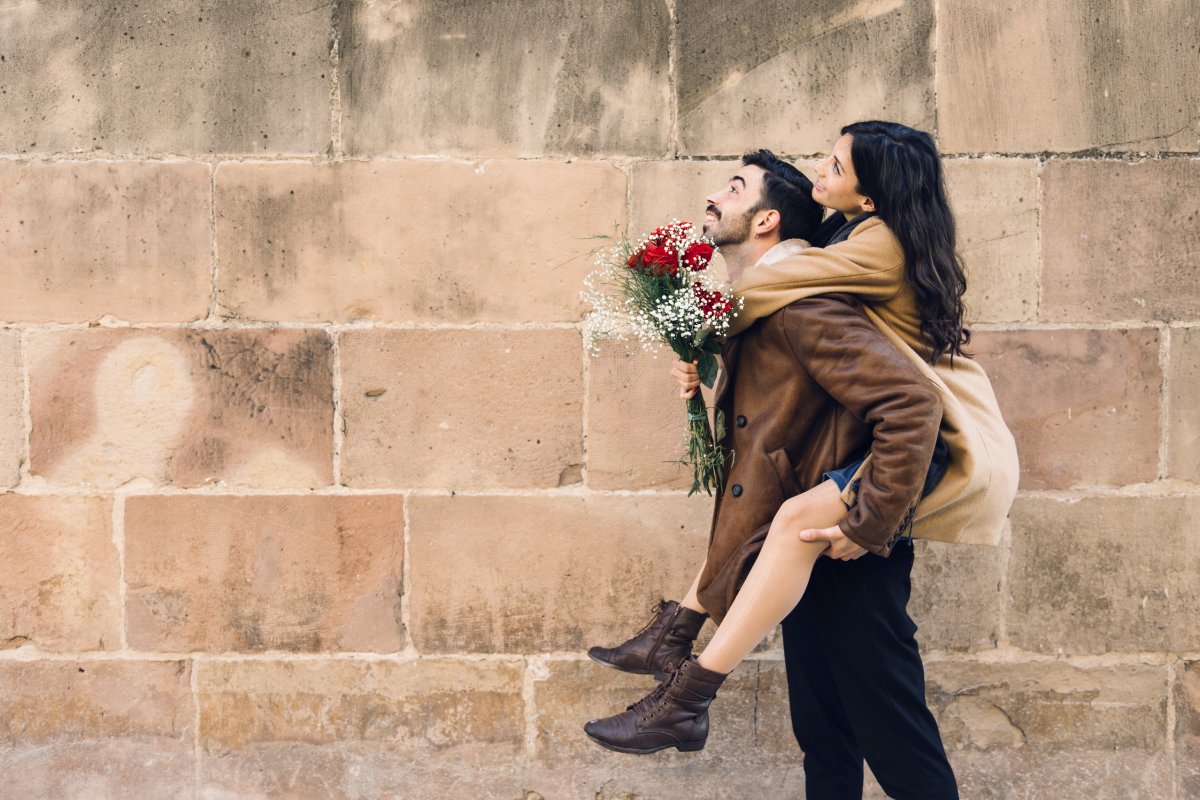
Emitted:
pixel 660 260
pixel 698 255
pixel 713 304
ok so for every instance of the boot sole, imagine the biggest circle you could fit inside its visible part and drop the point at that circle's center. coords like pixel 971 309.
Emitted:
pixel 683 747
pixel 658 676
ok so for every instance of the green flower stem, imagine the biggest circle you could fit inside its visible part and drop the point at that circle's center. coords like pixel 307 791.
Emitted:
pixel 705 454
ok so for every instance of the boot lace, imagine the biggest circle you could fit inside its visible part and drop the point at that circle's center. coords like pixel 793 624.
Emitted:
pixel 649 705
pixel 655 610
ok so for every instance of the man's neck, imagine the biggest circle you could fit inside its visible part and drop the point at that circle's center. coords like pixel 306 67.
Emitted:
pixel 743 256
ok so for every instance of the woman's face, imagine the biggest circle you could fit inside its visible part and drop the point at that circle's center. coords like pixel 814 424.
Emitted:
pixel 836 186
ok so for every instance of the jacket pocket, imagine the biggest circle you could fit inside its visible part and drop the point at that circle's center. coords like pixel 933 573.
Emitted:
pixel 784 471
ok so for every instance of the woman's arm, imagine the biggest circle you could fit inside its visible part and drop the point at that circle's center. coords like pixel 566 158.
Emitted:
pixel 868 265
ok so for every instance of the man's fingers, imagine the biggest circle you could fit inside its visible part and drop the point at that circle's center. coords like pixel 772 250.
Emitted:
pixel 818 535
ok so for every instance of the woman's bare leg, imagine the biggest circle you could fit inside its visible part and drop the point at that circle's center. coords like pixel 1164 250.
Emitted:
pixel 690 600
pixel 778 578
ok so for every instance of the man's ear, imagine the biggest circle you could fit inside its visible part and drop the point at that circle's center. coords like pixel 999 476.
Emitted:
pixel 768 222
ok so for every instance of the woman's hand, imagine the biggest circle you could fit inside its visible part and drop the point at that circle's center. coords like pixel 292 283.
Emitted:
pixel 687 376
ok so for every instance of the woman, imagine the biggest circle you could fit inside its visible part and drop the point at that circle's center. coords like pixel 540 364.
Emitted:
pixel 890 242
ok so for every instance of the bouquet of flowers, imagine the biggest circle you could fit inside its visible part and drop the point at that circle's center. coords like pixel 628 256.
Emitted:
pixel 661 289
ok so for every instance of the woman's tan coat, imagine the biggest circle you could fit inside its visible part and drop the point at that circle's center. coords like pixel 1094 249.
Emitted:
pixel 972 501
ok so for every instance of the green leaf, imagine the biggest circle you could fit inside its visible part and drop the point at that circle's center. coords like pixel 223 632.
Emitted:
pixel 711 345
pixel 707 367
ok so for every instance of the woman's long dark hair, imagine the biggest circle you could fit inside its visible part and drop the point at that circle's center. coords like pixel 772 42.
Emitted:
pixel 899 169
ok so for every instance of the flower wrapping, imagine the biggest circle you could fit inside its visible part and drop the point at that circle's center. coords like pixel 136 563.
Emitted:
pixel 661 290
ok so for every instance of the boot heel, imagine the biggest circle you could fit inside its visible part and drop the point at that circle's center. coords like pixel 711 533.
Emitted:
pixel 689 747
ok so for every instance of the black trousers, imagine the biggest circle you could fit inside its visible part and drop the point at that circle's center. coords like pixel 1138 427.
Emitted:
pixel 857 685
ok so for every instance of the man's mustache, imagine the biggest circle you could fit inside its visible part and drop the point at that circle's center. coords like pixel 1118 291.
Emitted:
pixel 713 210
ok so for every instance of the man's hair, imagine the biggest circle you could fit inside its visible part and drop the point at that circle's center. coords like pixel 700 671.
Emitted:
pixel 786 190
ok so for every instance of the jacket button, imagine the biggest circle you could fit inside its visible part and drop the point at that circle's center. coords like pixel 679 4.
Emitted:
pixel 736 490
pixel 741 421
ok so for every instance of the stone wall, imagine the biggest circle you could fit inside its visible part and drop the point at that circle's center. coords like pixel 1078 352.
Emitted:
pixel 311 490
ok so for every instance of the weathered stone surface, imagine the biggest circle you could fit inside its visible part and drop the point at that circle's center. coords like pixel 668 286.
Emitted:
pixel 305 573
pixel 749 722
pixel 189 408
pixel 1030 76
pixel 176 77
pixel 1105 574
pixel 956 599
pixel 1183 404
pixel 60 585
pixel 430 241
pixel 103 729
pixel 1084 405
pixel 1051 729
pixel 995 204
pixel 85 240
pixel 535 574
pixel 506 79
pixel 462 408
pixel 1187 728
pixel 1107 258
pixel 787 75
pixel 12 414
pixel 361 729
pixel 637 422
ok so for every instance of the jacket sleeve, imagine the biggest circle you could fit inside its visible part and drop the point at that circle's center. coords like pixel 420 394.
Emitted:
pixel 847 355
pixel 869 265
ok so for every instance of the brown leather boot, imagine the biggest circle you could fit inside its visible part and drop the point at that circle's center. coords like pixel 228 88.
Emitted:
pixel 675 714
pixel 666 640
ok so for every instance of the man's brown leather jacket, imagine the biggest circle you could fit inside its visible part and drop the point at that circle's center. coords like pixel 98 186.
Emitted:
pixel 807 390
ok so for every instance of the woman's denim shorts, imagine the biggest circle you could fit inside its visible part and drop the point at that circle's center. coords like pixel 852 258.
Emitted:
pixel 937 468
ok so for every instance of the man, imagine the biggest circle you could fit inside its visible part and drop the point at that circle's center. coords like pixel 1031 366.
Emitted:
pixel 808 390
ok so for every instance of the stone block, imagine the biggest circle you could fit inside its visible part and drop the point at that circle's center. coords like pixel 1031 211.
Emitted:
pixel 434 76
pixel 1183 405
pixel 1084 405
pixel 637 423
pixel 995 204
pixel 749 725
pixel 462 408
pixel 93 239
pixel 787 75
pixel 97 729
pixel 182 407
pixel 425 241
pixel 1030 76
pixel 12 409
pixel 542 574
pixel 177 78
pixel 303 573
pixel 61 581
pixel 361 729
pixel 956 599
pixel 1052 729
pixel 1107 258
pixel 1105 574
pixel 1187 728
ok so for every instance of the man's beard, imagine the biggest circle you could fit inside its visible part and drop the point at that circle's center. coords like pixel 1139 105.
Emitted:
pixel 732 231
